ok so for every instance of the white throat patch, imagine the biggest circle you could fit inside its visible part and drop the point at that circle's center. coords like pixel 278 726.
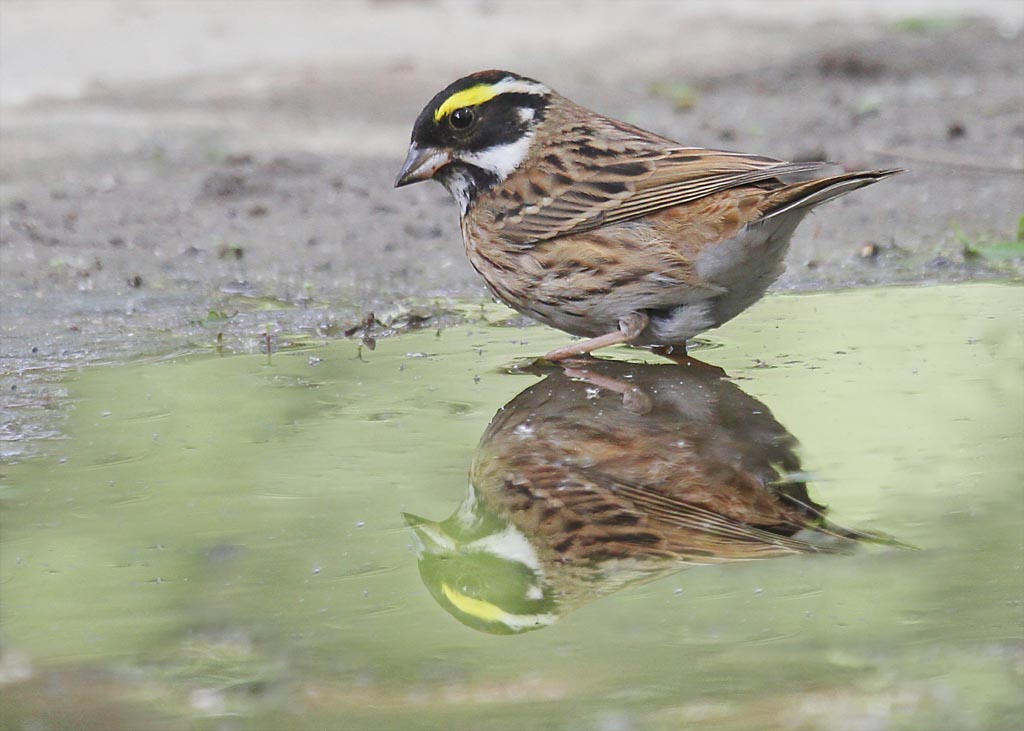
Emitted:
pixel 501 160
pixel 510 544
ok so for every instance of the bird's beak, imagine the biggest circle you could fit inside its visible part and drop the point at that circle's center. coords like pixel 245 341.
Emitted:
pixel 422 164
pixel 429 537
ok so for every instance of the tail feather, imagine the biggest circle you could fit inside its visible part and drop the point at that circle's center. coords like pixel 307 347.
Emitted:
pixel 829 533
pixel 813 193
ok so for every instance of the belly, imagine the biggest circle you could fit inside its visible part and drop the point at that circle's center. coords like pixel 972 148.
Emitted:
pixel 584 284
pixel 579 284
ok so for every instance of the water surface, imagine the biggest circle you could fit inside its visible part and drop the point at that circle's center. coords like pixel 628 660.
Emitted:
pixel 224 542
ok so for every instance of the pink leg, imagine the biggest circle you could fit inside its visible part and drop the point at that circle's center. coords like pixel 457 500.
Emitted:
pixel 630 328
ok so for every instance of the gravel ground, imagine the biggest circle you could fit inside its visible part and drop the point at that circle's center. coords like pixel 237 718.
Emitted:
pixel 172 160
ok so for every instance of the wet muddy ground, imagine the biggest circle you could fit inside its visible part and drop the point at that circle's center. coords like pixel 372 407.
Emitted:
pixel 144 215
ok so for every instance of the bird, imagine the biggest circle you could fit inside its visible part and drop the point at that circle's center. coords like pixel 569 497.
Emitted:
pixel 602 229
pixel 609 474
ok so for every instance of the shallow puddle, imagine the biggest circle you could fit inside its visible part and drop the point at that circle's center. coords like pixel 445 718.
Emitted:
pixel 237 542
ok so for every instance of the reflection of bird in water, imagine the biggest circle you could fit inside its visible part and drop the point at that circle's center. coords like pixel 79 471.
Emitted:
pixel 610 473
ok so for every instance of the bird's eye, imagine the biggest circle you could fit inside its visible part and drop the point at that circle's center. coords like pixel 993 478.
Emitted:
pixel 461 118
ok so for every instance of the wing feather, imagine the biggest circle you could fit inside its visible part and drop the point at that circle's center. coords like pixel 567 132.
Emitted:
pixel 601 171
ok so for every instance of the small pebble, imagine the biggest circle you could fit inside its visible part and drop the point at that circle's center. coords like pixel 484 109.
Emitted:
pixel 869 250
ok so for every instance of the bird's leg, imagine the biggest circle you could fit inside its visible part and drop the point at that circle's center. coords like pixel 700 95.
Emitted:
pixel 630 328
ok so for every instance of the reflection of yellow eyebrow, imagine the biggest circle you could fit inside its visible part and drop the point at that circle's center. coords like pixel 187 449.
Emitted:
pixel 474 607
pixel 471 97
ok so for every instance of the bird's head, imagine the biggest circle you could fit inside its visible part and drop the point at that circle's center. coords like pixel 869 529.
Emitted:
pixel 475 133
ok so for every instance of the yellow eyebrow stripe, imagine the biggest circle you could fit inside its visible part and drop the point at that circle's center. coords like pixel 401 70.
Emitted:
pixel 471 97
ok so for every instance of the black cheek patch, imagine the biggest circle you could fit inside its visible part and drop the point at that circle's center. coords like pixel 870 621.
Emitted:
pixel 500 121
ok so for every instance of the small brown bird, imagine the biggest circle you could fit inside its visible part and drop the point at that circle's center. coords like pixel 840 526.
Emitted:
pixel 603 229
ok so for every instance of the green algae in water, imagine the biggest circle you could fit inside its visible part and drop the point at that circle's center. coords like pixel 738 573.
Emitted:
pixel 219 542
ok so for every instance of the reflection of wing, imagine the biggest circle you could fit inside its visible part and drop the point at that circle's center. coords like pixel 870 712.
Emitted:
pixel 705 535
pixel 619 518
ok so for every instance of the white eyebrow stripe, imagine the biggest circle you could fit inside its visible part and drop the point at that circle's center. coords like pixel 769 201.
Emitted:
pixel 511 85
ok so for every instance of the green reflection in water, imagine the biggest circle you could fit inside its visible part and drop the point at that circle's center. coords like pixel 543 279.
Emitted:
pixel 219 543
